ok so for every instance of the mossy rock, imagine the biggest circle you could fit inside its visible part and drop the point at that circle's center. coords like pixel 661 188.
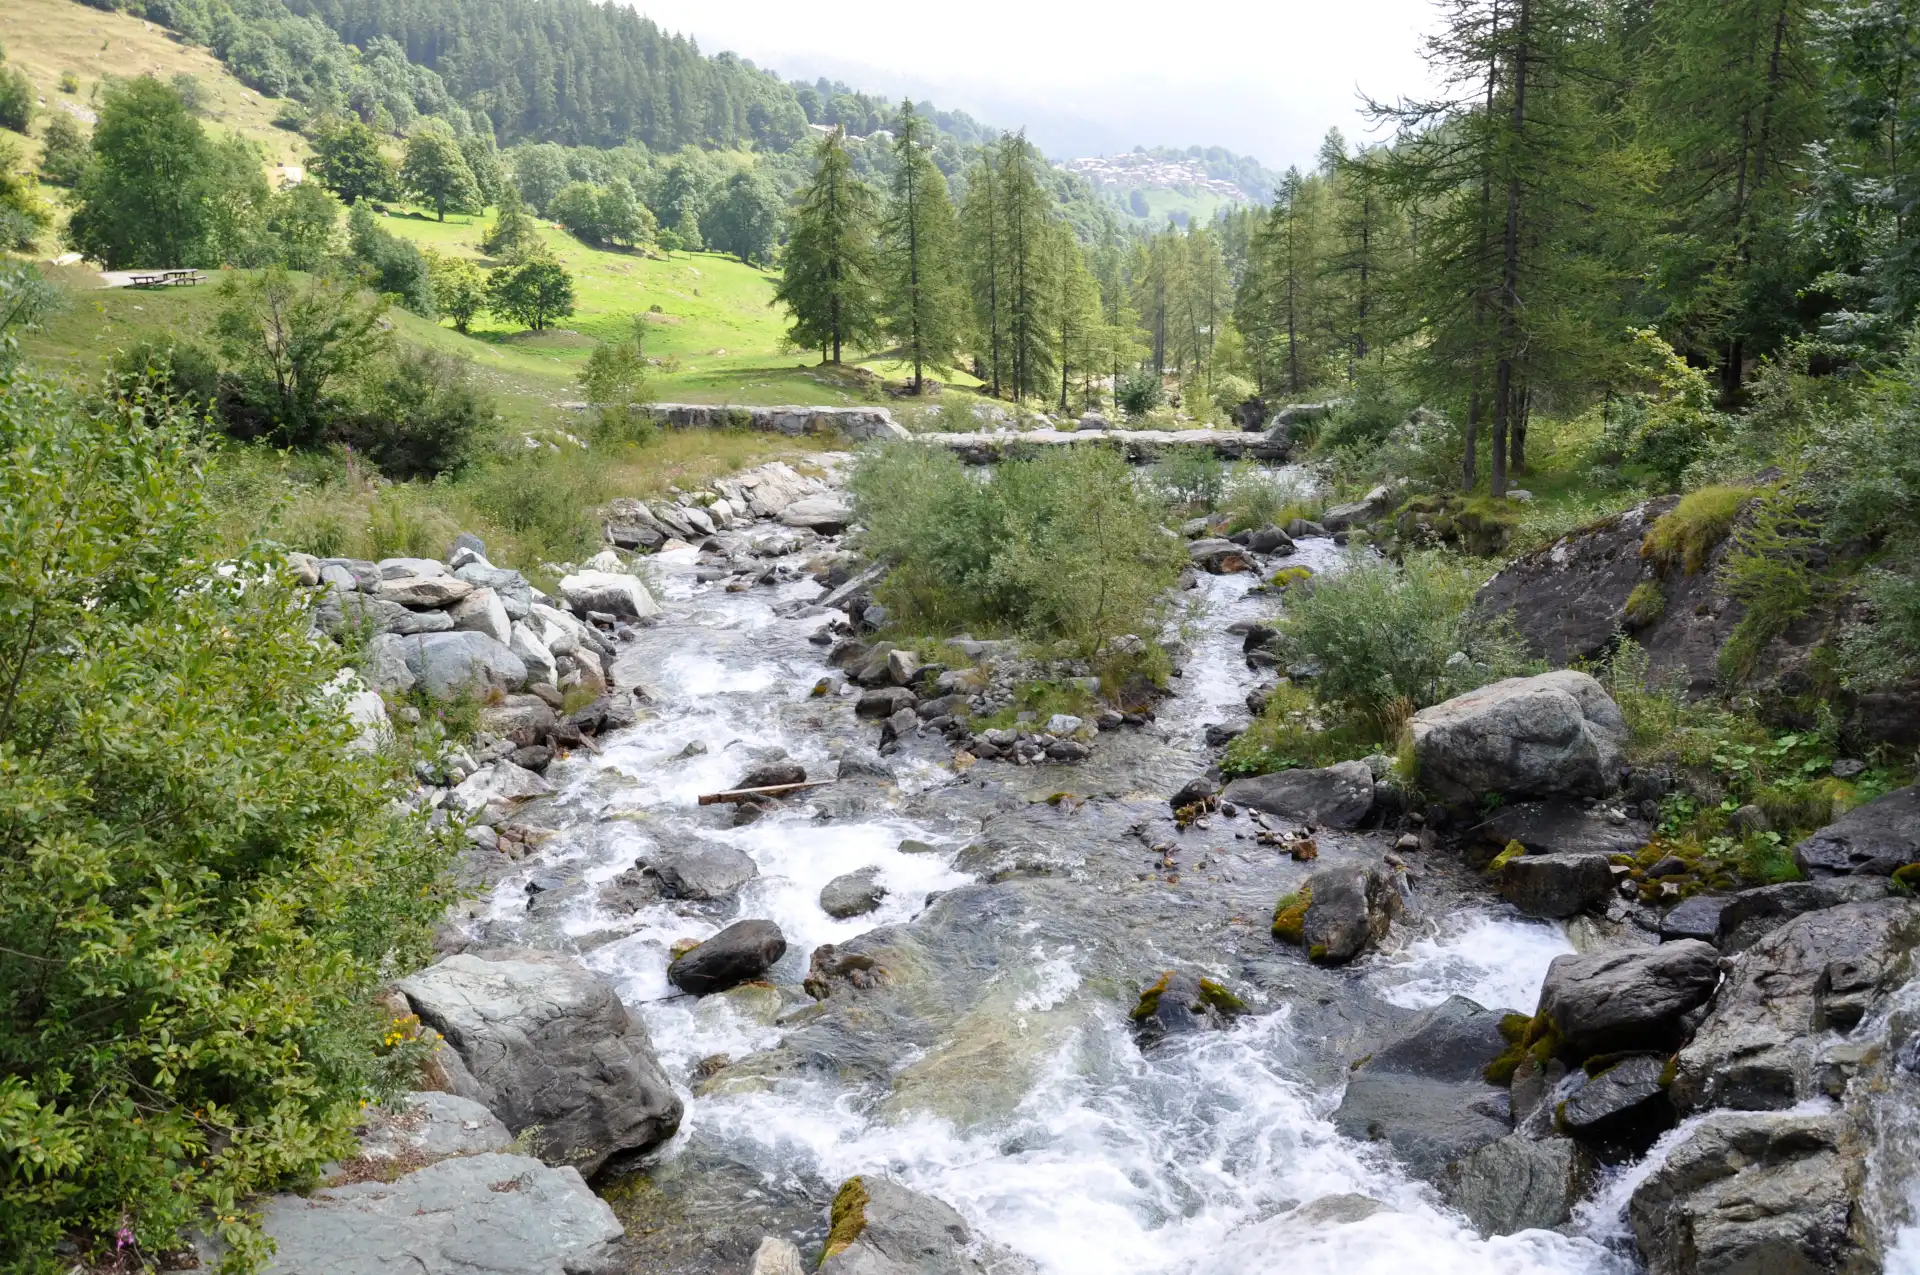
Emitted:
pixel 1646 604
pixel 1149 1003
pixel 1216 997
pixel 848 1219
pixel 1287 577
pixel 1290 915
pixel 1686 535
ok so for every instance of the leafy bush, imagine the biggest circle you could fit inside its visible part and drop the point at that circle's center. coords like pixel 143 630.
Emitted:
pixel 184 371
pixel 1064 546
pixel 16 99
pixel 1386 636
pixel 1139 392
pixel 289 352
pixel 1230 391
pixel 1192 476
pixel 420 414
pixel 390 265
pixel 63 150
pixel 533 293
pixel 1261 497
pixel 203 884
pixel 615 382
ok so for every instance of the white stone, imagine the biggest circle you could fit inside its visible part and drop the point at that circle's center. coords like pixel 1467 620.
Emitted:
pixel 610 592
pixel 482 612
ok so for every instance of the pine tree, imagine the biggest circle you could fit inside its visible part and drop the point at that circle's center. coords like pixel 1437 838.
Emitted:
pixel 983 238
pixel 1026 213
pixel 828 282
pixel 924 307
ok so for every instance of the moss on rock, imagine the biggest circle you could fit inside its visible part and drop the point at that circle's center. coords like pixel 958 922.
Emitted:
pixel 849 1218
pixel 1290 915
pixel 1512 851
pixel 1150 999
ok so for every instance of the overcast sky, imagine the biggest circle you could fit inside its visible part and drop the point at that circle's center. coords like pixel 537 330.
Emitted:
pixel 1262 77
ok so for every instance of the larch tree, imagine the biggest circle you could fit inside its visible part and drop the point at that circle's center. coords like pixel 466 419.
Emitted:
pixel 829 284
pixel 983 240
pixel 924 305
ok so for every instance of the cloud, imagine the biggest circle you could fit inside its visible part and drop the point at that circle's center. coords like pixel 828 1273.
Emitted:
pixel 1262 78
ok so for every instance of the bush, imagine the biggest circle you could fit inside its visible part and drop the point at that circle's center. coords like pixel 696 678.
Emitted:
pixel 1261 497
pixel 183 371
pixel 1192 476
pixel 532 294
pixel 615 383
pixel 1386 636
pixel 420 414
pixel 389 264
pixel 204 884
pixel 63 150
pixel 1139 392
pixel 16 99
pixel 1229 392
pixel 290 352
pixel 1062 547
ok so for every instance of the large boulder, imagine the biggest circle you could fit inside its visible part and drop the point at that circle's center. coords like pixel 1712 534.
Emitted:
pixel 515 594
pixel 827 514
pixel 446 665
pixel 1337 796
pixel 482 612
pixel 1351 910
pixel 1556 886
pixel 1818 974
pixel 1561 827
pixel 610 593
pixel 743 951
pixel 547 1046
pixel 703 871
pixel 1425 1094
pixel 1759 1193
pixel 423 592
pixel 879 1227
pixel 1623 999
pixel 1873 840
pixel 344 614
pixel 429 1125
pixel 1218 557
pixel 1518 1184
pixel 472 1213
pixel 1620 1110
pixel 1734 922
pixel 1553 735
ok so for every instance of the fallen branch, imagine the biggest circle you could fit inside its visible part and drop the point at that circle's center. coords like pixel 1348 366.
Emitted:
pixel 749 794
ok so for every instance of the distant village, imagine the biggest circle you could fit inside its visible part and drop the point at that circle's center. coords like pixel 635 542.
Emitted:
pixel 1140 171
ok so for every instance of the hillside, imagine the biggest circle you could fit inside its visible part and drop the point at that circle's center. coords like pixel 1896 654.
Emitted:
pixel 46 38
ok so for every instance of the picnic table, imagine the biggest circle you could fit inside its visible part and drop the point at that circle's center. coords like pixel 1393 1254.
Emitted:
pixel 168 278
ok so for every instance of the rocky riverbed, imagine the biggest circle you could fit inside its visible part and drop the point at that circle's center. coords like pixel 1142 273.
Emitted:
pixel 1038 1013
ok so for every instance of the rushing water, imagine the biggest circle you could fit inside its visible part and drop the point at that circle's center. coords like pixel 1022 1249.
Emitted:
pixel 1002 1077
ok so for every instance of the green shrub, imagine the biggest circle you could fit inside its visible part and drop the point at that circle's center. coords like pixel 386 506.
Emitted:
pixel 1646 604
pixel 1766 570
pixel 202 885
pixel 421 414
pixel 1686 535
pixel 1261 497
pixel 1062 547
pixel 1139 392
pixel 1192 476
pixel 1384 636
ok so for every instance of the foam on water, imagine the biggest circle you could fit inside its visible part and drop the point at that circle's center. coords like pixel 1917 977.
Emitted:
pixel 1498 962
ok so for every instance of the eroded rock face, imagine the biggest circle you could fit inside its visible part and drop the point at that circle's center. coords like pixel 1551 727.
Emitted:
pixel 1338 796
pixel 881 1228
pixel 1750 1193
pixel 543 1042
pixel 1620 1112
pixel 1561 827
pixel 1618 1000
pixel 1874 840
pixel 1425 1094
pixel 1555 735
pixel 1819 973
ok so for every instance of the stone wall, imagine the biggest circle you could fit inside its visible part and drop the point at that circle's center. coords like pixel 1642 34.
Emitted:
pixel 857 423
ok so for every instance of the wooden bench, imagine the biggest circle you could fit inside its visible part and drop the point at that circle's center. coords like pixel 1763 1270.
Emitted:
pixel 168 278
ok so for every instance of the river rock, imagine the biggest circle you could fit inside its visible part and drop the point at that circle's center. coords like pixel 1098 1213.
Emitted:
pixel 1562 827
pixel 1425 1094
pixel 1872 840
pixel 410 568
pixel 776 1256
pixel 523 719
pixel 341 613
pixel 422 592
pixel 502 784
pixel 610 593
pixel 1270 539
pixel 429 1125
pixel 1352 909
pixel 446 665
pixel 1750 1193
pixel 1817 974
pixel 1217 557
pixel 515 594
pixel 1556 885
pixel 883 702
pixel 881 1228
pixel 1337 796
pixel 853 894
pixel 743 951
pixel 827 514
pixel 1517 1184
pixel 547 1045
pixel 542 668
pixel 703 871
pixel 1623 999
pixel 1734 922
pixel 1194 791
pixel 1181 1003
pixel 494 1213
pixel 1553 735
pixel 1622 1110
pixel 482 612
pixel 773 774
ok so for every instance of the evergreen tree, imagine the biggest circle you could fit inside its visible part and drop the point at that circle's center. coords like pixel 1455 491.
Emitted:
pixel 623 218
pixel 1026 212
pixel 983 238
pixel 514 236
pixel 483 161
pixel 435 172
pixel 64 151
pixel 828 282
pixel 924 307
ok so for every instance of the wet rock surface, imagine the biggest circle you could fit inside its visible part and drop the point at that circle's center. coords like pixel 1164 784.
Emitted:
pixel 1425 1093
pixel 1874 840
pixel 1338 796
pixel 1616 1001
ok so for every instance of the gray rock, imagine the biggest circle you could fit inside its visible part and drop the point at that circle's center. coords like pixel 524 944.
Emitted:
pixel 1425 1095
pixel 1517 1184
pixel 410 568
pixel 773 774
pixel 1750 1193
pixel 1817 974
pixel 482 612
pixel 523 719
pixel 350 614
pixel 1217 557
pixel 610 593
pixel 1873 840
pixel 445 664
pixel 1561 827
pixel 1270 540
pixel 1553 735
pixel 363 574
pixel 422 592
pixel 1337 796
pixel 1622 1110
pixel 383 665
pixel 542 668
pixel 499 786
pixel 862 763
pixel 703 871
pixel 548 1046
pixel 463 1216
pixel 1753 913
pixel 1623 999
pixel 1699 917
pixel 515 594
pixel 853 893
pixel 431 1125
pixel 1352 910
pixel 883 702
pixel 1556 885
pixel 882 1228
pixel 743 951
pixel 776 1256
pixel 827 514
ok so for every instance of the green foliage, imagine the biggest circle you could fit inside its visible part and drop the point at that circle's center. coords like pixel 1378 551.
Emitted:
pixel 390 265
pixel 348 161
pixel 1062 547
pixel 1385 636
pixel 418 414
pixel 1766 570
pixel 1139 392
pixel 435 171
pixel 744 219
pixel 301 227
pixel 514 237
pixel 533 293
pixel 16 99
pixel 1193 477
pixel 1230 391
pixel 1667 426
pixel 615 383
pixel 1258 496
pixel 829 282
pixel 204 884
pixel 459 288
pixel 184 371
pixel 925 309
pixel 1646 604
pixel 64 150
pixel 290 349
pixel 25 299
pixel 1686 535
pixel 1293 731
